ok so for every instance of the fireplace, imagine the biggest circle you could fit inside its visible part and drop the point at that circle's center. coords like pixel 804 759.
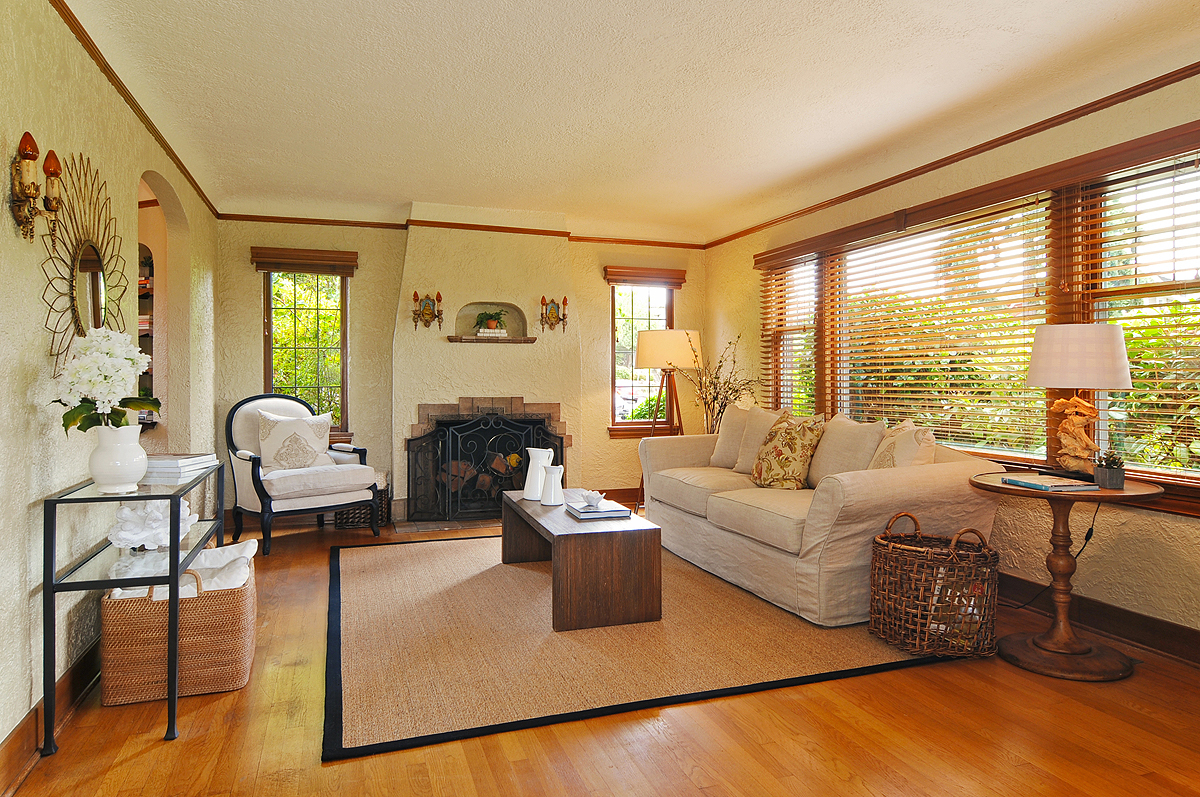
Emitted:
pixel 462 457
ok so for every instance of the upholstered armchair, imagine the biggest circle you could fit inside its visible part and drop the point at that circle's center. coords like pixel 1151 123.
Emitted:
pixel 283 464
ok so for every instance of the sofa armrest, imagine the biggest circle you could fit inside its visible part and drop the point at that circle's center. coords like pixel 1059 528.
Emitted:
pixel 681 451
pixel 850 509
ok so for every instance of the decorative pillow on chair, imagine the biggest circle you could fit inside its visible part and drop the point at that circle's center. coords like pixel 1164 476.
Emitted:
pixel 289 443
pixel 903 445
pixel 786 453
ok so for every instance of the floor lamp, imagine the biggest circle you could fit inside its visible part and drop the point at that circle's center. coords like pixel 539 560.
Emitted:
pixel 667 350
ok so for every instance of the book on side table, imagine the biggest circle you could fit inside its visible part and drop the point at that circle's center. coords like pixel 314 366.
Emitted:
pixel 1050 484
pixel 605 510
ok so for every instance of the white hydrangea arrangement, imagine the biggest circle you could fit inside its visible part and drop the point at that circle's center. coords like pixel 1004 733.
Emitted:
pixel 101 369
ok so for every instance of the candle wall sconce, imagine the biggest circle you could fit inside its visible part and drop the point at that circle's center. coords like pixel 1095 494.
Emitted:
pixel 25 189
pixel 554 313
pixel 427 310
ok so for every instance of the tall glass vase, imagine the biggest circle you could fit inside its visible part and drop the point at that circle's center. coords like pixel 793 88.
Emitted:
pixel 118 461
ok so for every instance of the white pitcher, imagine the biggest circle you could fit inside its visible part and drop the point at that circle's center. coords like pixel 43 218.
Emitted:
pixel 552 489
pixel 538 458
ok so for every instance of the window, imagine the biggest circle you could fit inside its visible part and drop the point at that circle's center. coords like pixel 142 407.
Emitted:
pixel 304 325
pixel 641 299
pixel 929 314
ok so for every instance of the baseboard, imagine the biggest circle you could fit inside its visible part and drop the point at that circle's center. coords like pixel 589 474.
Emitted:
pixel 622 495
pixel 22 749
pixel 1161 636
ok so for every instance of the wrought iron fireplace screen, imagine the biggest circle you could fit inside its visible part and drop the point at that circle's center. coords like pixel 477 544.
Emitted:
pixel 459 470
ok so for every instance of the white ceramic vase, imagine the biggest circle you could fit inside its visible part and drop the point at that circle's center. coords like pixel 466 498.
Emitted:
pixel 538 458
pixel 552 489
pixel 118 461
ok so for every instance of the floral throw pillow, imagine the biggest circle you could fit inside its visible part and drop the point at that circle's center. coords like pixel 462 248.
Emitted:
pixel 290 443
pixel 786 452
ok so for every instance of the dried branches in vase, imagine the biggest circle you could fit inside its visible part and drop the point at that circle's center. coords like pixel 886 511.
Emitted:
pixel 719 385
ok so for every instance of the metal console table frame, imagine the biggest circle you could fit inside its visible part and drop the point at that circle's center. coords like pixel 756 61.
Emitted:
pixel 92 574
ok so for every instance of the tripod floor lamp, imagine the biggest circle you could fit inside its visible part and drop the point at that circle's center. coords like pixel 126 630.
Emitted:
pixel 667 350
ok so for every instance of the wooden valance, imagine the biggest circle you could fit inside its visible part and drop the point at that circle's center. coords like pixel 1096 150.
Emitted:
pixel 304 261
pixel 672 278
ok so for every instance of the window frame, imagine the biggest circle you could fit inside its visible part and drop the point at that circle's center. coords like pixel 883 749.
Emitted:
pixel 1067 299
pixel 670 279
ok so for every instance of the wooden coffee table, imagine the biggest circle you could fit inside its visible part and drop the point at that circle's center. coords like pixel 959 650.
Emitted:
pixel 604 572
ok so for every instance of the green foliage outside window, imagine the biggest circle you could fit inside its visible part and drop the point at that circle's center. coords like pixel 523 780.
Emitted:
pixel 306 339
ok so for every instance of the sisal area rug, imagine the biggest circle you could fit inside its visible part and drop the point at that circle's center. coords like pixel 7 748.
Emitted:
pixel 436 640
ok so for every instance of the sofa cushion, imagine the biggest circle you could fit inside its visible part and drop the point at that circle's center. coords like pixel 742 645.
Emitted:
pixel 845 446
pixel 772 517
pixel 758 423
pixel 291 443
pixel 689 488
pixel 785 454
pixel 903 445
pixel 321 480
pixel 729 437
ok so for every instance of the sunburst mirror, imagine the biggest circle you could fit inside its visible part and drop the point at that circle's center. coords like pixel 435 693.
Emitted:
pixel 85 273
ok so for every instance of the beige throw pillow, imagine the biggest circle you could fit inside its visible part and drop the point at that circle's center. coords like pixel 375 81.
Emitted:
pixel 784 457
pixel 903 445
pixel 729 437
pixel 845 446
pixel 289 443
pixel 758 423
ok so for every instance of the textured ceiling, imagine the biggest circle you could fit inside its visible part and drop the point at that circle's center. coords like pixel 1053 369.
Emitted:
pixel 671 119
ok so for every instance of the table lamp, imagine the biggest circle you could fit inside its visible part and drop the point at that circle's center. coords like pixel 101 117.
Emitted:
pixel 668 350
pixel 1078 357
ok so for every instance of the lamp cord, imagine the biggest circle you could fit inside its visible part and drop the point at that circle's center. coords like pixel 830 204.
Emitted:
pixel 1086 539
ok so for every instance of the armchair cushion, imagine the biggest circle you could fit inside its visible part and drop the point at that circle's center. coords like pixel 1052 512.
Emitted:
pixel 292 443
pixel 323 480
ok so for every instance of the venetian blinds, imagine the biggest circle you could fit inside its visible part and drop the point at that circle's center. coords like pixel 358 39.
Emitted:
pixel 936 325
pixel 1137 235
pixel 788 338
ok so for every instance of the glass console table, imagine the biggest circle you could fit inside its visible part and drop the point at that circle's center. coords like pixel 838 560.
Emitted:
pixel 93 573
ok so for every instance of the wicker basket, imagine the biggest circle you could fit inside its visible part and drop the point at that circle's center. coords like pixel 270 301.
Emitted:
pixel 216 644
pixel 360 516
pixel 932 595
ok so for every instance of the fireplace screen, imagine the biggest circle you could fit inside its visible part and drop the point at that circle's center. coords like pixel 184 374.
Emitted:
pixel 459 470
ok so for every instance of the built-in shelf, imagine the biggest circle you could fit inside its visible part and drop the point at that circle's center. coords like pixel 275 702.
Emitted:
pixel 489 339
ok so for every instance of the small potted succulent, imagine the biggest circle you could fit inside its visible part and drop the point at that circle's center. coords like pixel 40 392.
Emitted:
pixel 490 319
pixel 1110 471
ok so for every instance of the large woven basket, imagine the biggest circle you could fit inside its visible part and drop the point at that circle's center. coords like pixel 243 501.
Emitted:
pixel 360 516
pixel 932 595
pixel 216 644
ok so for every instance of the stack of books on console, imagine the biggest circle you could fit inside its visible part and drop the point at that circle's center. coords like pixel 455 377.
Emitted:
pixel 176 468
pixel 605 510
pixel 484 332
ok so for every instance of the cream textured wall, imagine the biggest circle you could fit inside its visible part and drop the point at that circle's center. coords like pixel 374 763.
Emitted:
pixel 609 463
pixel 372 295
pixel 1144 561
pixel 58 94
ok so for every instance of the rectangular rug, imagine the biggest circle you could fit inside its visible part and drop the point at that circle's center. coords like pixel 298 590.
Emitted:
pixel 432 641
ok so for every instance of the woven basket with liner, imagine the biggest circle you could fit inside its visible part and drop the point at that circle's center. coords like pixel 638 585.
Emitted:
pixel 932 595
pixel 216 643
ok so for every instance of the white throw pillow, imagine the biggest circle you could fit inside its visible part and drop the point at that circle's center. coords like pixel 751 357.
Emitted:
pixel 758 423
pixel 903 445
pixel 729 437
pixel 845 446
pixel 290 443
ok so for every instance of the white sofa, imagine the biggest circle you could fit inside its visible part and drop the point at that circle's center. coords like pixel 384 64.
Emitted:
pixel 807 550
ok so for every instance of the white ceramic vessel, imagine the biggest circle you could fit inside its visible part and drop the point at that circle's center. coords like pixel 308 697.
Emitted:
pixel 552 489
pixel 538 459
pixel 118 461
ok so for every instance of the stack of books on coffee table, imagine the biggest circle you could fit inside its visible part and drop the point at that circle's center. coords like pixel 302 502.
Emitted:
pixel 605 510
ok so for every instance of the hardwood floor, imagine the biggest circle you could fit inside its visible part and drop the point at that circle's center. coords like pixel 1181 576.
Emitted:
pixel 979 727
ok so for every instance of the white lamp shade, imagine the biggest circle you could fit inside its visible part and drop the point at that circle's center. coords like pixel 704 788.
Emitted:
pixel 1079 357
pixel 668 348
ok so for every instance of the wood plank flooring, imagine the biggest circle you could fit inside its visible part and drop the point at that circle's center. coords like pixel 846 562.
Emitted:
pixel 955 728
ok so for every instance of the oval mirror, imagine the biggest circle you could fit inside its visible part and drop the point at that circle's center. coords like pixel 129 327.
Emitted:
pixel 88 282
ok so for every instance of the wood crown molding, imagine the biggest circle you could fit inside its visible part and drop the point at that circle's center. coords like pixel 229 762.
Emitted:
pixel 379 225
pixel 106 69
pixel 455 225
pixel 587 239
pixel 1133 92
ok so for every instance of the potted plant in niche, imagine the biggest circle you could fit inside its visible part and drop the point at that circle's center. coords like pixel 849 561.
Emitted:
pixel 1110 471
pixel 103 367
pixel 490 319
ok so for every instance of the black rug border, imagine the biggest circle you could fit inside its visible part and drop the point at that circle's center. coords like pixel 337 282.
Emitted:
pixel 331 744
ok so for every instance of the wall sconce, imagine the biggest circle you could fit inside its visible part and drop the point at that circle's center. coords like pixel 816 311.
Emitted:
pixel 554 313
pixel 427 310
pixel 25 189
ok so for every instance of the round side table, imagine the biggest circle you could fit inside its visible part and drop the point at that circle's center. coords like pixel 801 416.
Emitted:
pixel 1058 652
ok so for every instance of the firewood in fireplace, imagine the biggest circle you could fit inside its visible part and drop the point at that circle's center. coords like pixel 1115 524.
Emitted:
pixel 459 473
pixel 498 464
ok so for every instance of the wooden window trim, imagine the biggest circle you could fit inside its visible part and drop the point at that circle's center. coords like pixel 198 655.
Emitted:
pixel 658 277
pixel 629 430
pixel 304 261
